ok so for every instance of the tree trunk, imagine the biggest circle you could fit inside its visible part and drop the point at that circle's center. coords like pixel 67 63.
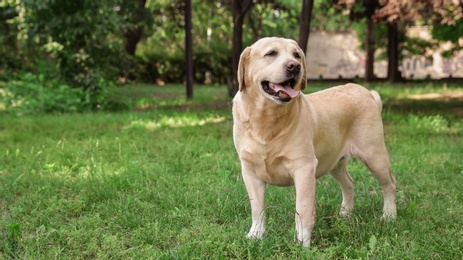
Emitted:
pixel 188 50
pixel 370 42
pixel 132 37
pixel 393 73
pixel 131 40
pixel 304 24
pixel 239 11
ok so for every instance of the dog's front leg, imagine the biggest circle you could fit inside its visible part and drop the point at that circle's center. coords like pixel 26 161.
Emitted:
pixel 256 193
pixel 304 180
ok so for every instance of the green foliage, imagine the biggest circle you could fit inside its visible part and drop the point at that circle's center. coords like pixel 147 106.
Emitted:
pixel 327 16
pixel 32 94
pixel 8 42
pixel 160 57
pixel 215 60
pixel 35 94
pixel 155 65
pixel 380 36
pixel 272 18
pixel 70 44
pixel 452 33
pixel 416 47
pixel 87 53
pixel 446 32
pixel 84 43
pixel 158 66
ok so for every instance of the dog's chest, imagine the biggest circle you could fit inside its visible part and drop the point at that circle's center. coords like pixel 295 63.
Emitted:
pixel 272 168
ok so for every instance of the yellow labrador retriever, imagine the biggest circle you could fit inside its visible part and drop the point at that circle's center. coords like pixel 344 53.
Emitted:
pixel 287 138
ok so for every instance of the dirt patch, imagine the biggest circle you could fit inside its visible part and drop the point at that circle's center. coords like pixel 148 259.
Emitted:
pixel 443 96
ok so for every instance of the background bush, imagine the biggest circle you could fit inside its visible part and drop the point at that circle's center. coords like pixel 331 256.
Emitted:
pixel 36 94
pixel 155 65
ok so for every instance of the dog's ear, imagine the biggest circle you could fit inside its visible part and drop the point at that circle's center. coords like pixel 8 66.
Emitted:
pixel 304 73
pixel 242 68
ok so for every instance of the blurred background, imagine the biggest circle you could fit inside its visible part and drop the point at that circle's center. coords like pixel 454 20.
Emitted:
pixel 80 49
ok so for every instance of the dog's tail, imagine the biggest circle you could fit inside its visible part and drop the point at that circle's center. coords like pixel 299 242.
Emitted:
pixel 377 99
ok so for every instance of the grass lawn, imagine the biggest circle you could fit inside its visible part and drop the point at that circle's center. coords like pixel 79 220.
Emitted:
pixel 161 180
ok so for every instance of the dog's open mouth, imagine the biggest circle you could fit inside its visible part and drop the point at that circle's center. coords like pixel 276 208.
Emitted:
pixel 281 91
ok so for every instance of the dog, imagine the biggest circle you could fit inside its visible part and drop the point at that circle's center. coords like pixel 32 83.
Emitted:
pixel 284 137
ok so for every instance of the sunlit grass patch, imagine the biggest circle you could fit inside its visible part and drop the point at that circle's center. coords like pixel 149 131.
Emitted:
pixel 174 121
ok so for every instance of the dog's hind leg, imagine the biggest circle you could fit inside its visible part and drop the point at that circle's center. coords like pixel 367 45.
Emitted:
pixel 376 159
pixel 347 186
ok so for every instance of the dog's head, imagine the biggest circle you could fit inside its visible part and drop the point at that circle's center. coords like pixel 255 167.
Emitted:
pixel 273 67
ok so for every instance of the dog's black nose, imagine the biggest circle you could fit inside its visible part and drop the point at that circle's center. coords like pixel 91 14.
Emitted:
pixel 293 66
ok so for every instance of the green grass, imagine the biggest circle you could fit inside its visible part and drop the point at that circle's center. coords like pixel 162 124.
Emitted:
pixel 162 181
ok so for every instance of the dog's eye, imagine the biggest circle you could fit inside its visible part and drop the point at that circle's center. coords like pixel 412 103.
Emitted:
pixel 297 56
pixel 271 53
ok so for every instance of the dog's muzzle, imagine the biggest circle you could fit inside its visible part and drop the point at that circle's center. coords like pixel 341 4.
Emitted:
pixel 283 91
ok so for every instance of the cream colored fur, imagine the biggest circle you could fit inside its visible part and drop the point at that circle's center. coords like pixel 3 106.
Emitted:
pixel 293 143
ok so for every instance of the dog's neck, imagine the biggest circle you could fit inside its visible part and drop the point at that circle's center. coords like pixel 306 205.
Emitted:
pixel 267 120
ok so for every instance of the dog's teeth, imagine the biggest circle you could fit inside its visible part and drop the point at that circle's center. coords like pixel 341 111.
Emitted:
pixel 282 94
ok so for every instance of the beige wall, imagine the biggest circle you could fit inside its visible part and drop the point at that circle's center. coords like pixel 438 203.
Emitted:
pixel 331 55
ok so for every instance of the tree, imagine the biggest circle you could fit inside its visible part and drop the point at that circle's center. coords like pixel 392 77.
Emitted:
pixel 278 18
pixel 329 15
pixel 188 50
pixel 8 38
pixel 304 23
pixel 240 9
pixel 364 10
pixel 85 36
pixel 445 16
pixel 138 17
pixel 390 14
pixel 393 73
pixel 135 16
pixel 370 6
pixel 161 53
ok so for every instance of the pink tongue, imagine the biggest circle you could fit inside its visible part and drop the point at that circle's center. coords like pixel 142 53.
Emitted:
pixel 287 89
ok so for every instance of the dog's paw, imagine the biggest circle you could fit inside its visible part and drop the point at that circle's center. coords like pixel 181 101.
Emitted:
pixel 389 213
pixel 302 237
pixel 305 242
pixel 389 216
pixel 256 234
pixel 343 213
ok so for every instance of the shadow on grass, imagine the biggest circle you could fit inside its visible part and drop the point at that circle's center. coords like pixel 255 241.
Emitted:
pixel 420 100
pixel 449 105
